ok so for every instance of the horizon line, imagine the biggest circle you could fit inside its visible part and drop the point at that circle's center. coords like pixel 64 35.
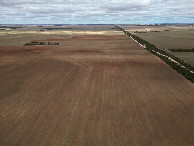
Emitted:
pixel 93 23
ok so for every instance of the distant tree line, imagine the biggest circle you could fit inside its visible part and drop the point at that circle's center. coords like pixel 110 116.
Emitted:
pixel 11 27
pixel 182 67
pixel 139 32
pixel 32 43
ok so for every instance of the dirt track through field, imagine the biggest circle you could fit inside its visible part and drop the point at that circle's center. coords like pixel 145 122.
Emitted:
pixel 75 108
pixel 93 90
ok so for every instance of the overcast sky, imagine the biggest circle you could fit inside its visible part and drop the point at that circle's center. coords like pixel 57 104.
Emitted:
pixel 96 11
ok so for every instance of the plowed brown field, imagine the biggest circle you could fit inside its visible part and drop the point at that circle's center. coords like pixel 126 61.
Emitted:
pixel 92 90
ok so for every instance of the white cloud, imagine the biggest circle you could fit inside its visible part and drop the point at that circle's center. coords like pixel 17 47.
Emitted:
pixel 95 11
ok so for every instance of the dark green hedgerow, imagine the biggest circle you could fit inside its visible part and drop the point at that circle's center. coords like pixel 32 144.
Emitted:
pixel 182 50
pixel 32 43
pixel 186 71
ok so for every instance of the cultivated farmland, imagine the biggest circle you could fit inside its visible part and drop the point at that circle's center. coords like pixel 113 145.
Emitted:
pixel 167 37
pixel 92 89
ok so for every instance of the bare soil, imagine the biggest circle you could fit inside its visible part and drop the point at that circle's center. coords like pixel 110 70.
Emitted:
pixel 92 90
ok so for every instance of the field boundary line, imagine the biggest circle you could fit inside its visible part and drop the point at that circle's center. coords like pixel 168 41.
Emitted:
pixel 179 65
pixel 75 107
pixel 169 58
